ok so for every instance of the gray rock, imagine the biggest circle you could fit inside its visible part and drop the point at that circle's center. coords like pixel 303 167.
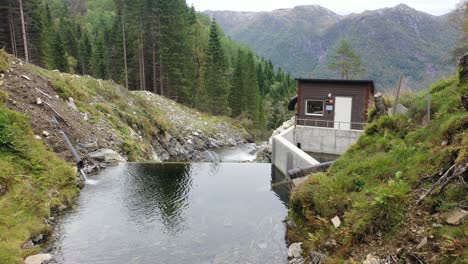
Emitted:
pixel 37 137
pixel 38 239
pixel 38 101
pixel 87 147
pixel 38 259
pixel 371 260
pixel 299 260
pixel 422 243
pixel 45 133
pixel 3 190
pixel 28 244
pixel 290 224
pixel 106 155
pixel 72 104
pixel 295 250
pixel 336 221
pixel 317 257
pixel 456 217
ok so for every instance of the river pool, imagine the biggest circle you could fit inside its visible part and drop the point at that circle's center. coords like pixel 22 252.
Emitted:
pixel 177 213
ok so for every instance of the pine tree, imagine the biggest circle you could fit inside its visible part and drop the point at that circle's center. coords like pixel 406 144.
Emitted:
pixel 84 54
pixel 58 58
pixel 345 61
pixel 216 79
pixel 236 96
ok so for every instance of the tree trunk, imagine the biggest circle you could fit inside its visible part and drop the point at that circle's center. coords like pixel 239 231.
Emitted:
pixel 12 32
pixel 142 58
pixel 23 28
pixel 124 48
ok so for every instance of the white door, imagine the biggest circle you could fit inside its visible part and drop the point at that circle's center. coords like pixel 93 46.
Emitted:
pixel 343 106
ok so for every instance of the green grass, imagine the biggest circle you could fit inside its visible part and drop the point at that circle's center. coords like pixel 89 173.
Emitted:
pixel 4 61
pixel 37 182
pixel 370 186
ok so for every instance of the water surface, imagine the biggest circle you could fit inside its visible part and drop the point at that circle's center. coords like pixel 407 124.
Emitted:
pixel 177 213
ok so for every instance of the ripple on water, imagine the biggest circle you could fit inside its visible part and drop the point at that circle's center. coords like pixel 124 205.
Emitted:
pixel 176 213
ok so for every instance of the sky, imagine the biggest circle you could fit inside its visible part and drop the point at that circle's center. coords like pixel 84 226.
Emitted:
pixel 342 7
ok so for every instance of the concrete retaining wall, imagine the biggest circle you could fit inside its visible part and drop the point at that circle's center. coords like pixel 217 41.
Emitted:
pixel 325 140
pixel 286 155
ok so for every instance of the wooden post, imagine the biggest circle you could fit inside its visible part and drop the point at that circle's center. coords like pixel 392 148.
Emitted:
pixel 429 104
pixel 23 28
pixel 398 94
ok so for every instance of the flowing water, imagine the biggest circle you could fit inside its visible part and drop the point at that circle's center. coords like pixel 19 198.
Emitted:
pixel 177 213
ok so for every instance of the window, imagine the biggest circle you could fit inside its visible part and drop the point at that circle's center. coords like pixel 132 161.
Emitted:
pixel 314 107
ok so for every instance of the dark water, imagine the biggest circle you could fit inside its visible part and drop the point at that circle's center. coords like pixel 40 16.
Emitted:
pixel 177 213
pixel 323 157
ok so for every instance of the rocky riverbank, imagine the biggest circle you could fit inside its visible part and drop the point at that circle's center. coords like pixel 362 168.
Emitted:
pixel 102 119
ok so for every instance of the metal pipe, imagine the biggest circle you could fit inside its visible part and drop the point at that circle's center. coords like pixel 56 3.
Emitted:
pixel 79 161
pixel 298 172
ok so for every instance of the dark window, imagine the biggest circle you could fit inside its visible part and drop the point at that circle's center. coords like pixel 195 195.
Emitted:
pixel 314 107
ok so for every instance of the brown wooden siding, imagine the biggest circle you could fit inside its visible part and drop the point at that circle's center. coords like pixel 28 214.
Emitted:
pixel 360 92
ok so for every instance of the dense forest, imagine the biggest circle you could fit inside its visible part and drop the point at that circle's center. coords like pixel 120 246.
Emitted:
pixel 163 46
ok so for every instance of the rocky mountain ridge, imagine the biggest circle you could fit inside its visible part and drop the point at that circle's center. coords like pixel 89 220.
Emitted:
pixel 391 41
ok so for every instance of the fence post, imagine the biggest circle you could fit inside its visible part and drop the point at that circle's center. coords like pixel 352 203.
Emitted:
pixel 428 104
pixel 398 94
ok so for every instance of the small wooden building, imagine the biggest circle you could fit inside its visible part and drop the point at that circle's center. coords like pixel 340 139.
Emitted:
pixel 340 104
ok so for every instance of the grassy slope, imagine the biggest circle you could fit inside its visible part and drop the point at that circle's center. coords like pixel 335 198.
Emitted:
pixel 374 186
pixel 37 182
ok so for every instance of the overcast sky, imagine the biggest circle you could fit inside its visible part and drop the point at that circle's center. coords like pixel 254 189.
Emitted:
pixel 343 7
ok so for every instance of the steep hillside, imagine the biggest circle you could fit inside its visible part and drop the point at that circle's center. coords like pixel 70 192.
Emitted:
pixel 400 192
pixel 139 125
pixel 390 41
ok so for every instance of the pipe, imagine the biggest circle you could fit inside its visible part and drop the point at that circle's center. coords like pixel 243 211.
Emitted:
pixel 300 172
pixel 79 161
pixel 292 103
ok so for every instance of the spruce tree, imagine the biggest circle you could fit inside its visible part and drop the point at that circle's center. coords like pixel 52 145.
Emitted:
pixel 216 79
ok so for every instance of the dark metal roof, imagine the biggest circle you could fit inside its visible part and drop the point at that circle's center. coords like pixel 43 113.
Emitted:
pixel 335 81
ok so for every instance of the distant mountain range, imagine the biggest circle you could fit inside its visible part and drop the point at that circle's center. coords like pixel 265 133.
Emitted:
pixel 390 41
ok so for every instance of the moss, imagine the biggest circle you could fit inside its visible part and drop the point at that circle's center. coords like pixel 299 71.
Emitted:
pixel 37 182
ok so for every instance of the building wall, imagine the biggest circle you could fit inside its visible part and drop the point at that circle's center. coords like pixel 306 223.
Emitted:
pixel 360 92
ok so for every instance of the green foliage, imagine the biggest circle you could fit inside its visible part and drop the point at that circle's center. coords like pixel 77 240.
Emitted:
pixel 37 182
pixel 4 61
pixel 370 185
pixel 3 97
pixel 346 62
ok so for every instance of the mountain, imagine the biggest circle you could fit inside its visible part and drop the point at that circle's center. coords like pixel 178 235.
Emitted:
pixel 390 41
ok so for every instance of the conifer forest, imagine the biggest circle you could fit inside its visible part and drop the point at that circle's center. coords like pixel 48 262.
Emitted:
pixel 162 46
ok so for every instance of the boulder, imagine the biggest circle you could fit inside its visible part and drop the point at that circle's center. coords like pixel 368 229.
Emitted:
pixel 38 259
pixel 45 133
pixel 295 250
pixel 456 217
pixel 106 155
